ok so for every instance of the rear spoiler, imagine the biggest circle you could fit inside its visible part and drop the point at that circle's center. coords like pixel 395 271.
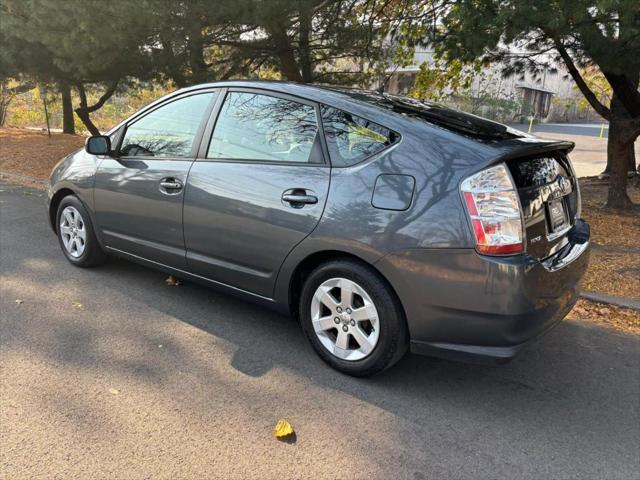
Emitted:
pixel 526 147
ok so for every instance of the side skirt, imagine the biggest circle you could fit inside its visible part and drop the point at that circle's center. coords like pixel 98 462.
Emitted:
pixel 219 286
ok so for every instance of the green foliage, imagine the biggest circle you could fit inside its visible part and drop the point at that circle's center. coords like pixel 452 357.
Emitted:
pixel 534 35
pixel 444 78
pixel 76 40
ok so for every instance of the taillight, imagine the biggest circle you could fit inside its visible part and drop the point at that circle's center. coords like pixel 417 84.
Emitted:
pixel 492 203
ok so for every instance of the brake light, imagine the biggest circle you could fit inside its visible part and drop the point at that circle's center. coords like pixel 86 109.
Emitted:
pixel 492 203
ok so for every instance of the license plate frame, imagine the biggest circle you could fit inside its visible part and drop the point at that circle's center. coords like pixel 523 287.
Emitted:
pixel 557 215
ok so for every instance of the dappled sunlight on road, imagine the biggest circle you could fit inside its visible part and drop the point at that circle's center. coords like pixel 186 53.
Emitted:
pixel 108 370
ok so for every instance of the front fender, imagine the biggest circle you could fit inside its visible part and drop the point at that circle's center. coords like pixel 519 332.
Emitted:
pixel 75 173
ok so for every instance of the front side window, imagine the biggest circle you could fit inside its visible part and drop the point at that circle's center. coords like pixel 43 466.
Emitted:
pixel 258 127
pixel 168 131
pixel 351 139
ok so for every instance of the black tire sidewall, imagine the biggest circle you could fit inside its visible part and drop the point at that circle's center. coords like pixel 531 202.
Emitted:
pixel 393 338
pixel 92 254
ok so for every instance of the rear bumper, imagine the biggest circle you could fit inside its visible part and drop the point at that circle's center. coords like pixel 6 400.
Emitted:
pixel 465 306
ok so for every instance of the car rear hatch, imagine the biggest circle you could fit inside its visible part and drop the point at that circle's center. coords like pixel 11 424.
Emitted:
pixel 549 197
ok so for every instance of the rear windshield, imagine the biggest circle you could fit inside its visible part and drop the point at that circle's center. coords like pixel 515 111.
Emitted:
pixel 538 171
pixel 459 122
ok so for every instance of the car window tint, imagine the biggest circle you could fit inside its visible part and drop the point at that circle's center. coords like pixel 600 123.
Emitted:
pixel 350 139
pixel 259 127
pixel 168 131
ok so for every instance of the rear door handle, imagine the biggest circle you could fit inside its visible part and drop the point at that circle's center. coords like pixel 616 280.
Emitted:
pixel 298 198
pixel 170 186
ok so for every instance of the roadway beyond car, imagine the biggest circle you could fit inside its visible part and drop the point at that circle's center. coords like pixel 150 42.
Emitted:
pixel 381 222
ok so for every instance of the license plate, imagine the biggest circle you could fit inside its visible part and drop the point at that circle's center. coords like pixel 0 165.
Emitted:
pixel 557 215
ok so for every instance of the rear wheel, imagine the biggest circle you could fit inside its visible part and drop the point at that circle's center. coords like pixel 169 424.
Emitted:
pixel 76 234
pixel 352 318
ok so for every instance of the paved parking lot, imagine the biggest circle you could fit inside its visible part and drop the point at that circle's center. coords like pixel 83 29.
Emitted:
pixel 108 373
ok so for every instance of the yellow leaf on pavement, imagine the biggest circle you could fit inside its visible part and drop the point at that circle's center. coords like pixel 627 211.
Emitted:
pixel 283 429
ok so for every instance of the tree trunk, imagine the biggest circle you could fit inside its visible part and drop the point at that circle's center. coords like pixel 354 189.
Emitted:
pixel 7 95
pixel 284 50
pixel 83 115
pixel 3 111
pixel 304 45
pixel 195 47
pixel 619 147
pixel 84 110
pixel 68 125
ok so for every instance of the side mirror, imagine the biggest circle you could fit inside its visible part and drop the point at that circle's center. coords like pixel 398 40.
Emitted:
pixel 98 145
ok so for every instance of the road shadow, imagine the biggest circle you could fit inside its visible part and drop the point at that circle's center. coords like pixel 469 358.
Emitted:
pixel 556 368
pixel 579 383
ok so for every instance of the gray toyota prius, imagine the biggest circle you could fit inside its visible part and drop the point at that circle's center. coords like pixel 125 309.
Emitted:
pixel 381 222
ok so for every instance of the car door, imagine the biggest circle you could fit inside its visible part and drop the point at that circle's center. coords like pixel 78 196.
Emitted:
pixel 258 190
pixel 139 191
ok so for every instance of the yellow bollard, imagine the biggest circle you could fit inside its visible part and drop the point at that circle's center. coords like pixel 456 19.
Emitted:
pixel 602 131
pixel 530 125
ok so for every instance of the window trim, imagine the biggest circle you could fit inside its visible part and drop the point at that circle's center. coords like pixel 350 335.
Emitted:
pixel 370 156
pixel 197 137
pixel 207 135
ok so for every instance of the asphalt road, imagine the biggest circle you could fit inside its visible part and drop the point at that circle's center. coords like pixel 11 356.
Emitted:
pixel 108 373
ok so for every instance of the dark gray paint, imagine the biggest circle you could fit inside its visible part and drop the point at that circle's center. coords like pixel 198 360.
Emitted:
pixel 241 237
pixel 134 215
pixel 393 192
pixel 237 228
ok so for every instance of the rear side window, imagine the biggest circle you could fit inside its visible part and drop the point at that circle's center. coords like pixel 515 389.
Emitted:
pixel 351 139
pixel 168 131
pixel 262 128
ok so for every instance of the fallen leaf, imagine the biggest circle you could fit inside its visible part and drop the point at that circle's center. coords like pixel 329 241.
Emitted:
pixel 113 391
pixel 172 281
pixel 283 429
pixel 19 302
pixel 76 305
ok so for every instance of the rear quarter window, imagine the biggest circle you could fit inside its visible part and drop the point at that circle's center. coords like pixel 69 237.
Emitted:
pixel 351 139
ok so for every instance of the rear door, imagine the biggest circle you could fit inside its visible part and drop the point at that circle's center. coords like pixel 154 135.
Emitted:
pixel 139 192
pixel 258 190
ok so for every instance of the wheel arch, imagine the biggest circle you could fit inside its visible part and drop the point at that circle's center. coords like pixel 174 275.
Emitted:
pixel 55 202
pixel 313 260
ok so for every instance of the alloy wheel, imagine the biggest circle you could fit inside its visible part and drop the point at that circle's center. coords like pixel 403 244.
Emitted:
pixel 345 319
pixel 73 232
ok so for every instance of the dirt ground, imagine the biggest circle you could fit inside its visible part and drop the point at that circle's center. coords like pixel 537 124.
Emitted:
pixel 28 157
pixel 32 153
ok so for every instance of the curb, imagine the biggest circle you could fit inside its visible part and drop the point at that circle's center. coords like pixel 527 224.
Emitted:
pixel 611 300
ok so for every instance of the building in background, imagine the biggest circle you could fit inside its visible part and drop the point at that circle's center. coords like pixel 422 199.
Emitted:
pixel 551 97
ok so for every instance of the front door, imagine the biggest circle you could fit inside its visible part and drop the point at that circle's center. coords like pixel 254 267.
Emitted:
pixel 259 192
pixel 139 192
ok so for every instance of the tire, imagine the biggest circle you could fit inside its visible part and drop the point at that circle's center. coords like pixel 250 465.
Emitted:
pixel 375 338
pixel 72 223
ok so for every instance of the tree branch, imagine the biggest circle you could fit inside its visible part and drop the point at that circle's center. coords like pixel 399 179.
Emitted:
pixel 582 85
pixel 105 96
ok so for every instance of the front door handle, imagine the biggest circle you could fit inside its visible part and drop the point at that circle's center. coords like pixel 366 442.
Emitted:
pixel 170 186
pixel 298 198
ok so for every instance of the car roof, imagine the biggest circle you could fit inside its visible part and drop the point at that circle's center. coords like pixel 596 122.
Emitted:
pixel 381 107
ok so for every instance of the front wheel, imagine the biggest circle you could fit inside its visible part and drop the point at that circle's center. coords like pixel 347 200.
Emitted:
pixel 352 318
pixel 76 235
